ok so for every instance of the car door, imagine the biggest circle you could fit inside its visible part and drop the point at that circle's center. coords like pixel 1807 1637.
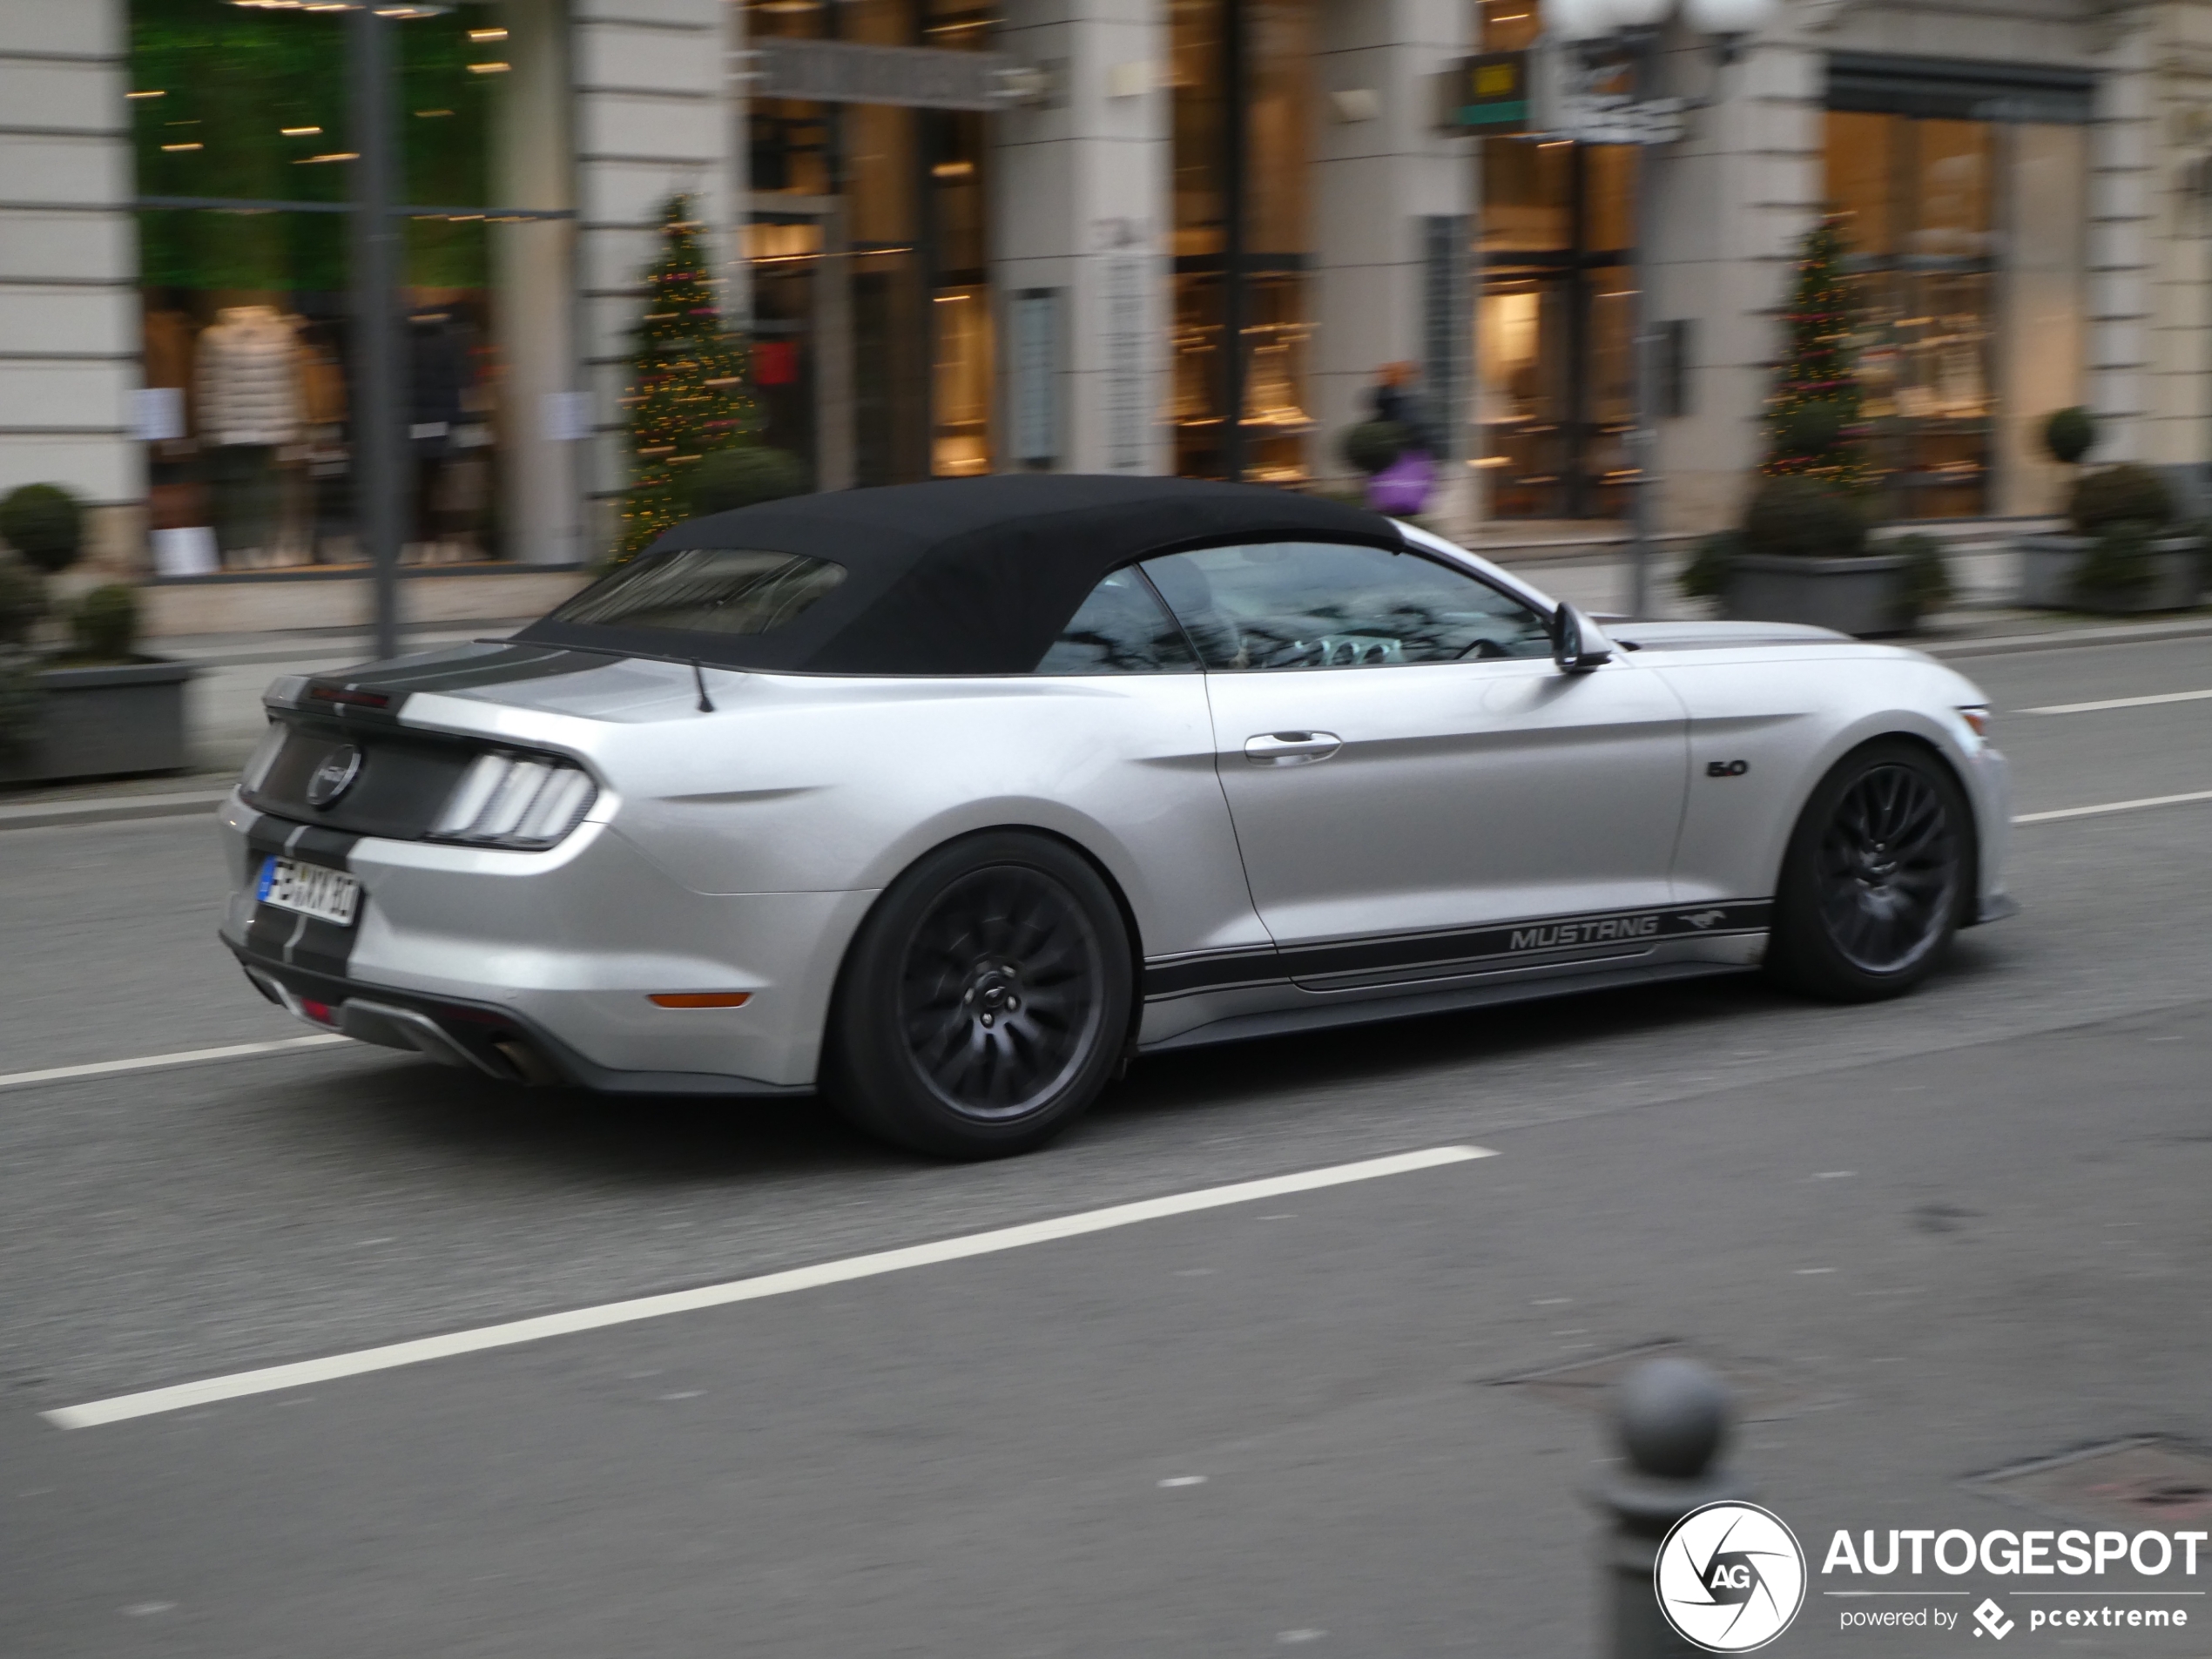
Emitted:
pixel 1125 742
pixel 1416 786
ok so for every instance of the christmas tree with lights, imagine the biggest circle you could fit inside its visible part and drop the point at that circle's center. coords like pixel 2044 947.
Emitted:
pixel 688 396
pixel 1813 418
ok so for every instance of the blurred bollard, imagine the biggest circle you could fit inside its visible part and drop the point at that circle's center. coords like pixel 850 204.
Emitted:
pixel 1671 1416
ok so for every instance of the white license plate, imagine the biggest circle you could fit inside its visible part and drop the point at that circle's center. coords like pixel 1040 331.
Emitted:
pixel 327 895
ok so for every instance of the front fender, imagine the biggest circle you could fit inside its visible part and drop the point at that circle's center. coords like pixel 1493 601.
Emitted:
pixel 1790 718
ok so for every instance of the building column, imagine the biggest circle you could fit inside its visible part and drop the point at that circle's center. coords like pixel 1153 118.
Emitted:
pixel 1080 210
pixel 2181 321
pixel 69 309
pixel 652 119
pixel 1382 172
pixel 1732 202
pixel 533 287
pixel 2121 183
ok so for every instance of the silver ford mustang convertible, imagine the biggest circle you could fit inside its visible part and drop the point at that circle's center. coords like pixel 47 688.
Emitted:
pixel 947 799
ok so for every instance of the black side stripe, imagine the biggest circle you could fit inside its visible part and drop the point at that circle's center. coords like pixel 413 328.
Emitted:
pixel 1538 938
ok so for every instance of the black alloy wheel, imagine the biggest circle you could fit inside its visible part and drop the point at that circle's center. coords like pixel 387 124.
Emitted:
pixel 1000 994
pixel 985 1001
pixel 1877 879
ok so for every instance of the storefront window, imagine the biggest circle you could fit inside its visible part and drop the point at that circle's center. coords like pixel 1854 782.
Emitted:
pixel 1915 197
pixel 1962 191
pixel 1242 85
pixel 240 133
pixel 1555 316
pixel 789 250
pixel 872 303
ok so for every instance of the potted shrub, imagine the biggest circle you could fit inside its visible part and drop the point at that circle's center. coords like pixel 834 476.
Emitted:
pixel 1927 584
pixel 731 478
pixel 2069 434
pixel 2121 551
pixel 1802 554
pixel 22 604
pixel 95 707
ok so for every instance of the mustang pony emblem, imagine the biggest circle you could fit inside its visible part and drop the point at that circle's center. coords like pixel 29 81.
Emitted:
pixel 335 776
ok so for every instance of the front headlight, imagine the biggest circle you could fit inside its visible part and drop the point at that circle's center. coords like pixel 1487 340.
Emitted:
pixel 1977 716
pixel 521 801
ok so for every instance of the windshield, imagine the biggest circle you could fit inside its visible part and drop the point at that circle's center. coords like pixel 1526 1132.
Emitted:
pixel 706 591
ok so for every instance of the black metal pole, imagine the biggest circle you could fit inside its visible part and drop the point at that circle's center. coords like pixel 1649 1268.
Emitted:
pixel 1577 424
pixel 380 481
pixel 1643 441
pixel 1236 147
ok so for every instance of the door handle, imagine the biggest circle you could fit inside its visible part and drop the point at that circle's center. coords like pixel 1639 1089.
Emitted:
pixel 1291 748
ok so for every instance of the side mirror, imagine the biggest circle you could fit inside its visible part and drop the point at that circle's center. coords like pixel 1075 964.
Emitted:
pixel 1577 647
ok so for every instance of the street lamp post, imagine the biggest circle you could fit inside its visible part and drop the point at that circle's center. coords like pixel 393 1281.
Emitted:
pixel 1627 34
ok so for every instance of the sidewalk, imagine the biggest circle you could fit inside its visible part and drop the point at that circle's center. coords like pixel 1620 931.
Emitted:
pixel 227 721
pixel 225 718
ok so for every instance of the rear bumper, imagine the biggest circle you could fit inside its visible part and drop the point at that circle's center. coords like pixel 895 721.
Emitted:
pixel 556 954
pixel 497 1042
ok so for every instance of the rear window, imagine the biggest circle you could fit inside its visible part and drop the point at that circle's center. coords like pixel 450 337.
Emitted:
pixel 706 591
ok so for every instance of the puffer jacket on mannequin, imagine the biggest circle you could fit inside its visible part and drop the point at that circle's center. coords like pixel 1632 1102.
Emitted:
pixel 248 375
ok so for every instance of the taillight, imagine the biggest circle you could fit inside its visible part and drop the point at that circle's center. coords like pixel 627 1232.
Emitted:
pixel 516 800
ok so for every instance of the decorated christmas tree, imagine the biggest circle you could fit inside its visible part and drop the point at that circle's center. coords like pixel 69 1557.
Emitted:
pixel 687 396
pixel 1813 418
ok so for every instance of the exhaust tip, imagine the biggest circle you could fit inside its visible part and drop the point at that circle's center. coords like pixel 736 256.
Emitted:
pixel 528 1064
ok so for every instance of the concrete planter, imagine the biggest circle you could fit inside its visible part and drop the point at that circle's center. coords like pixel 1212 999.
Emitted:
pixel 96 722
pixel 1858 595
pixel 2050 564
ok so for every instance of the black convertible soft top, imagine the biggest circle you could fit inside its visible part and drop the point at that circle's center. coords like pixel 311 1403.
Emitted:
pixel 963 575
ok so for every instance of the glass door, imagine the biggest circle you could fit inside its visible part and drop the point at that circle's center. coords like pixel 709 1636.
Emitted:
pixel 1554 328
pixel 873 302
pixel 1241 79
pixel 1919 199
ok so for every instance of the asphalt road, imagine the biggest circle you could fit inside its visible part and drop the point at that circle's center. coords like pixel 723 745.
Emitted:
pixel 1929 1239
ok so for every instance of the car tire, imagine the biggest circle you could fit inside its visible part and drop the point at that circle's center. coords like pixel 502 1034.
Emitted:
pixel 985 1001
pixel 1876 877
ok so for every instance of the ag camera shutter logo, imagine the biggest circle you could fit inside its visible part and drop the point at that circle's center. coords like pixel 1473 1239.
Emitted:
pixel 1730 1577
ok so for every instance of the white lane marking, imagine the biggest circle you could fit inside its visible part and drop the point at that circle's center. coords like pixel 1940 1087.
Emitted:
pixel 2114 806
pixel 2118 703
pixel 148 1062
pixel 181 1396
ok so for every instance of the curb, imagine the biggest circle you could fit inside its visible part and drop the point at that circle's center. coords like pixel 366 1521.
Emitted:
pixel 2066 639
pixel 110 809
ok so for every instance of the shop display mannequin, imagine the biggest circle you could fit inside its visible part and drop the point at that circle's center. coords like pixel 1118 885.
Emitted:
pixel 247 390
pixel 437 379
